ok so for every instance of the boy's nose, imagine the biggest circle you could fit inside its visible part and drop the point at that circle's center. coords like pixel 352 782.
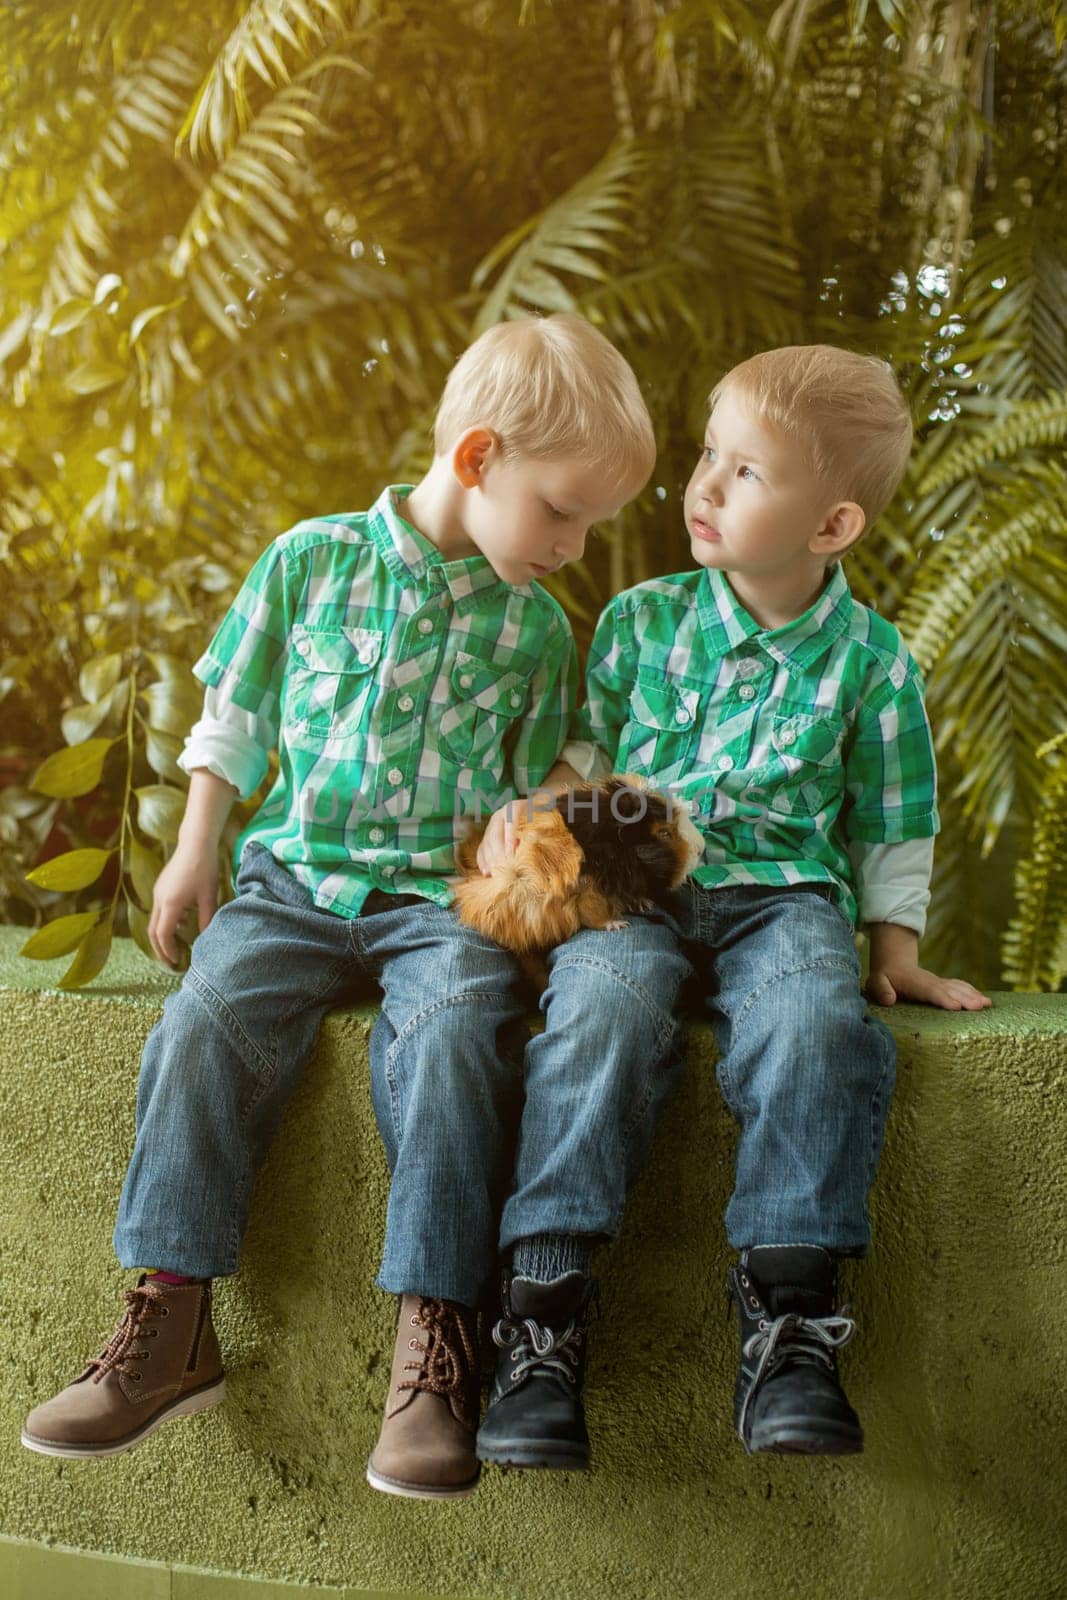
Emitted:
pixel 571 549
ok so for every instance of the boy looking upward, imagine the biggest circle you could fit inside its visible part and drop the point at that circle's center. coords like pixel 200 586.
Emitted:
pixel 792 717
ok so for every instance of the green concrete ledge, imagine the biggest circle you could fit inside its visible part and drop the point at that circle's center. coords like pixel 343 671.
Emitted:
pixel 958 1371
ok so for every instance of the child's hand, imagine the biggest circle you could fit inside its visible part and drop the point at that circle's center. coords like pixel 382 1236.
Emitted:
pixel 889 983
pixel 189 879
pixel 500 838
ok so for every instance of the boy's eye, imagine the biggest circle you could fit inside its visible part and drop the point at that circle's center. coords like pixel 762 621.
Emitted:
pixel 750 476
pixel 554 511
pixel 709 452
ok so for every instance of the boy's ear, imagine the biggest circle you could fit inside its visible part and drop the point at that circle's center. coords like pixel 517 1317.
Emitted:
pixel 471 454
pixel 841 528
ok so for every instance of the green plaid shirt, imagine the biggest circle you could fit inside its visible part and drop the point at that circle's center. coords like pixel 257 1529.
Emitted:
pixel 403 692
pixel 788 743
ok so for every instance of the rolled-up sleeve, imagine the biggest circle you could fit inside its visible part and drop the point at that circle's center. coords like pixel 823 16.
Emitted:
pixel 233 744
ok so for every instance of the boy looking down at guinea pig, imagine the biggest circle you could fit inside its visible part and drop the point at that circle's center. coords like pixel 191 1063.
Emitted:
pixel 792 719
pixel 404 663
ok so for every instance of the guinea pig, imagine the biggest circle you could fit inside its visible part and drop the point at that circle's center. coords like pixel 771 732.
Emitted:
pixel 600 851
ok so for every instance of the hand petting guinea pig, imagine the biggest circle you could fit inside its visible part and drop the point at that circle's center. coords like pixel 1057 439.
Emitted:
pixel 602 850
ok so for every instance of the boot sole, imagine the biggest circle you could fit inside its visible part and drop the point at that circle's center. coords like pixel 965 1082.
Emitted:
pixel 187 1406
pixel 802 1441
pixel 421 1491
pixel 521 1453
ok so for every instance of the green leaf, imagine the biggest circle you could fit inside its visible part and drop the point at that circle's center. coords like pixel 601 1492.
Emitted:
pixel 76 869
pixel 92 376
pixel 91 957
pixel 81 722
pixel 159 811
pixel 72 772
pixel 138 921
pixel 99 676
pixel 59 937
pixel 173 705
pixel 162 751
pixel 71 314
pixel 144 867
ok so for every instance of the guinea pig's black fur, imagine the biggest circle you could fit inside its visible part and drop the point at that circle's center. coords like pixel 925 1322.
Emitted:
pixel 627 836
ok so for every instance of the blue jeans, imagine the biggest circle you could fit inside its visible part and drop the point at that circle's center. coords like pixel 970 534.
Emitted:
pixel 468 1107
pixel 803 1068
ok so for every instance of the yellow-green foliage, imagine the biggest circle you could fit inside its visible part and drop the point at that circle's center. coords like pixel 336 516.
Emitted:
pixel 243 241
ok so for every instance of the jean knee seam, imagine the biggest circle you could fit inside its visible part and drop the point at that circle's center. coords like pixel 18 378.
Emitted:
pixel 663 1019
pixel 401 1038
pixel 826 963
pixel 218 1004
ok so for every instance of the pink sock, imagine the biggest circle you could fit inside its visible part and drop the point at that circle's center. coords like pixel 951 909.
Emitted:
pixel 168 1277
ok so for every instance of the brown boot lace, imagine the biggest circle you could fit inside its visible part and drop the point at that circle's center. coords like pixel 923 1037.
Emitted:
pixel 447 1361
pixel 141 1303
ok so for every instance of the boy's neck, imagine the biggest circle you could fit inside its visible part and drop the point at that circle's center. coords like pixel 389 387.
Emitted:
pixel 434 507
pixel 774 603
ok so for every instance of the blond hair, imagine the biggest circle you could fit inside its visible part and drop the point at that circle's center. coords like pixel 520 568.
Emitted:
pixel 844 410
pixel 550 387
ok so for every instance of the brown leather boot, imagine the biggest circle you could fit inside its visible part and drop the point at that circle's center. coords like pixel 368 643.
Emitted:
pixel 426 1446
pixel 162 1361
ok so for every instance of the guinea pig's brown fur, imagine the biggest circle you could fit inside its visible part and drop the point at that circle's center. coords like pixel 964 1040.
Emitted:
pixel 602 850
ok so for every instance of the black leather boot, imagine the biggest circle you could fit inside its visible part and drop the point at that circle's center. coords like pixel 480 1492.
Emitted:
pixel 788 1397
pixel 535 1416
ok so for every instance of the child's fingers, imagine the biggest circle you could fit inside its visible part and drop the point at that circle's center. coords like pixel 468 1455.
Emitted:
pixel 880 990
pixel 161 929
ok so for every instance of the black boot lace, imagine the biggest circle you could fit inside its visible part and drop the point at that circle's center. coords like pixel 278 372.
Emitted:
pixel 789 1337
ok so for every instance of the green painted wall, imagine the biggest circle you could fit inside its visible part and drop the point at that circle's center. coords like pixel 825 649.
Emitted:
pixel 958 1370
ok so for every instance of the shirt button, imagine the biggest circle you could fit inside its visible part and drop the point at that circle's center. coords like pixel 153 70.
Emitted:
pixel 746 692
pixel 788 736
pixel 302 647
pixel 466 681
pixel 405 702
pixel 395 775
pixel 388 872
pixel 376 835
pixel 682 715
pixel 425 625
pixel 516 699
pixel 725 763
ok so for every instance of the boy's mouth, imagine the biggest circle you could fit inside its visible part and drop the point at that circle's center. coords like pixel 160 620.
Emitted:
pixel 542 572
pixel 704 530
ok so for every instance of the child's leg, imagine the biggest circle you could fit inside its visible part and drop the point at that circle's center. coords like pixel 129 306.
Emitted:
pixel 446 1073
pixel 596 1082
pixel 220 1067
pixel 215 1076
pixel 808 1074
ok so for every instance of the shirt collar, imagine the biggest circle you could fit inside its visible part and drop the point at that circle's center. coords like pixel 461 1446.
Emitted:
pixel 413 560
pixel 727 625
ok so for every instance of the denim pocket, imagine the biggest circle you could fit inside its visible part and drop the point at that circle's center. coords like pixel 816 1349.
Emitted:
pixel 486 700
pixel 329 684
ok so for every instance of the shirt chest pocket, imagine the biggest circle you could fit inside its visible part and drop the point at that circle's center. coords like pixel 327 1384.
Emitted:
pixel 329 687
pixel 660 736
pixel 803 773
pixel 485 701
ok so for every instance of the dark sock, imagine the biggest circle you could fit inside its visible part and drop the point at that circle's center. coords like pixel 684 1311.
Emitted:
pixel 546 1256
